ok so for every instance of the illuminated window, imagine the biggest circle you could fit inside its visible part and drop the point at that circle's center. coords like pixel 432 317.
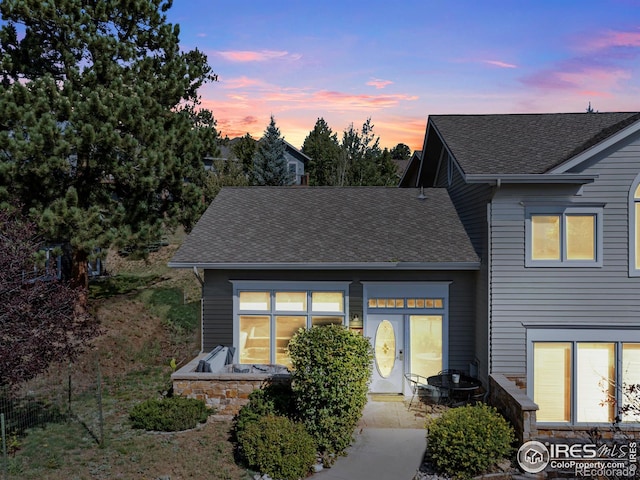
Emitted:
pixel 634 230
pixel 578 382
pixel 427 303
pixel 268 319
pixel 572 236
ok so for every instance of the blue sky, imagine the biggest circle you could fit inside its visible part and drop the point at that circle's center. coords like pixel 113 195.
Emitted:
pixel 398 62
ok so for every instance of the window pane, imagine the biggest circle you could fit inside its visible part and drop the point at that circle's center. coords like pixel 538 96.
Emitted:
pixel 411 303
pixel 581 237
pixel 426 344
pixel 438 303
pixel 384 347
pixel 255 339
pixel 254 301
pixel 552 381
pixel 320 321
pixel 291 301
pixel 545 237
pixel 595 382
pixel 372 303
pixel 327 302
pixel 630 376
pixel 286 327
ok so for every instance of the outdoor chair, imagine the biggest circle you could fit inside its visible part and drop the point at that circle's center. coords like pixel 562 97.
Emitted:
pixel 418 384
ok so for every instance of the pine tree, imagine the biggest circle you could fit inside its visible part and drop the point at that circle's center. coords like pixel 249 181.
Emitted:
pixel 269 163
pixel 321 145
pixel 102 139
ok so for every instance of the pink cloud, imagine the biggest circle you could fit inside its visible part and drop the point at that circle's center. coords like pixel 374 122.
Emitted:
pixel 243 56
pixel 332 99
pixel 575 76
pixel 378 83
pixel 242 82
pixel 498 63
pixel 609 39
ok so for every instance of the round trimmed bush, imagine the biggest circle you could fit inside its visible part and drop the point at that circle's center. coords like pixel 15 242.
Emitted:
pixel 169 414
pixel 330 379
pixel 273 399
pixel 469 440
pixel 278 447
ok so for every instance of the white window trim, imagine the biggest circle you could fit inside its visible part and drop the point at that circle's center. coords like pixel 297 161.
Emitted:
pixel 243 285
pixel 563 212
pixel 631 215
pixel 575 335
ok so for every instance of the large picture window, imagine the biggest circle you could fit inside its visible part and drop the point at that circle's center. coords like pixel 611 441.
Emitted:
pixel 563 237
pixel 583 382
pixel 267 319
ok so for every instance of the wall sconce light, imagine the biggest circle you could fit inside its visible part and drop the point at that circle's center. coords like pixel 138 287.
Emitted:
pixel 356 321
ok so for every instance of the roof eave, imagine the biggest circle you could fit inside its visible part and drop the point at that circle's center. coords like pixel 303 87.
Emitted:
pixel 545 178
pixel 475 265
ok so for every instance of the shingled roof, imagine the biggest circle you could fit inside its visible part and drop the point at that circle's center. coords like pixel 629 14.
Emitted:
pixel 524 143
pixel 327 227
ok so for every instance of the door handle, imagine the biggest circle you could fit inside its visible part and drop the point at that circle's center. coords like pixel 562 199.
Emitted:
pixel 400 355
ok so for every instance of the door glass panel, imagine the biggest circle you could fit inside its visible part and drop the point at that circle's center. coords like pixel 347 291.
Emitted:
pixel 425 344
pixel 595 382
pixel 286 327
pixel 255 339
pixel 385 348
pixel 552 381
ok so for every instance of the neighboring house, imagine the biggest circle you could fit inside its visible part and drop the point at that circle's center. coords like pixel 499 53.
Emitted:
pixel 514 252
pixel 296 160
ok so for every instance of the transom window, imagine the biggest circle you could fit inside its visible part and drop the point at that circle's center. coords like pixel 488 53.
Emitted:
pixel 584 381
pixel 564 236
pixel 406 303
pixel 268 319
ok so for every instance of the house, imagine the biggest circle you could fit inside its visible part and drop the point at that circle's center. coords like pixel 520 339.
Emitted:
pixel 550 203
pixel 511 253
pixel 296 160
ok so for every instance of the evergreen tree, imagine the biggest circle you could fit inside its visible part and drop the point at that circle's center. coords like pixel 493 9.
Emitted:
pixel 269 163
pixel 244 149
pixel 401 152
pixel 321 145
pixel 101 135
pixel 362 161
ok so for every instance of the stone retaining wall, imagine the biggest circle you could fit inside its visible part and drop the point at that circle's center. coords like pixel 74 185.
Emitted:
pixel 225 392
pixel 512 402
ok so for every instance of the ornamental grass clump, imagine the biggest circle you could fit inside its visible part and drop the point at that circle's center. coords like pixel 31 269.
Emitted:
pixel 331 372
pixel 278 447
pixel 469 440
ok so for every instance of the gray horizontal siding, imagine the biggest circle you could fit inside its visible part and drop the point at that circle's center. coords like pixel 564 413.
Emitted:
pixel 563 296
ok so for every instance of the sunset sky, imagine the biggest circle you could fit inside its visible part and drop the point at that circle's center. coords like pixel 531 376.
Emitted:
pixel 399 62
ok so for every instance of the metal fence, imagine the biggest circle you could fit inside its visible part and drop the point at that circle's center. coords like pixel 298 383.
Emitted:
pixel 61 395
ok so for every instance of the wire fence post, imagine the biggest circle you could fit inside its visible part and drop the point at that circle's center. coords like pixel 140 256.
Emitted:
pixel 100 415
pixel 4 448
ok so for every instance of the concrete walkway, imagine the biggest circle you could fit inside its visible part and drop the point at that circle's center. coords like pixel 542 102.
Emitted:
pixel 390 442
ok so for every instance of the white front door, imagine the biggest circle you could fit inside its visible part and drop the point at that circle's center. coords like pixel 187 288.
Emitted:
pixel 387 337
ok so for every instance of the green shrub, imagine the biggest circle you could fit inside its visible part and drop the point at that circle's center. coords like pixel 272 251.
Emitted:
pixel 169 414
pixel 273 399
pixel 331 372
pixel 469 440
pixel 278 447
